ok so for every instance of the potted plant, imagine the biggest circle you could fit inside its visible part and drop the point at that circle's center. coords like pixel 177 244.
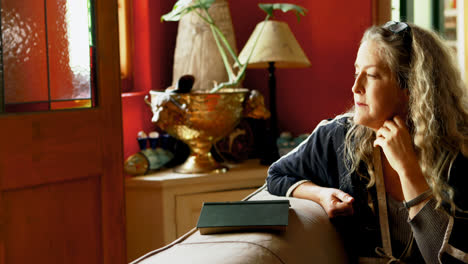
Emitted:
pixel 200 119
pixel 200 7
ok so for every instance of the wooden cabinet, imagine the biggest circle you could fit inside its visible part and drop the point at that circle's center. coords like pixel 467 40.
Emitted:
pixel 165 205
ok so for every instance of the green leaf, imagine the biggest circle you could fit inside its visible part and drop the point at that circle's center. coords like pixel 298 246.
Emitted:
pixel 180 8
pixel 269 8
pixel 183 7
pixel 206 3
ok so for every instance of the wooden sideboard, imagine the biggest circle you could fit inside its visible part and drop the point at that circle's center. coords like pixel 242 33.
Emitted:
pixel 165 205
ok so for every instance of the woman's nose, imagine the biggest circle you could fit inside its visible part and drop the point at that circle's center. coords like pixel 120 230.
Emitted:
pixel 358 86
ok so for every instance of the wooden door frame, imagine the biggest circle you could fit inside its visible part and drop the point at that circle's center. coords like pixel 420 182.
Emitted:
pixel 108 72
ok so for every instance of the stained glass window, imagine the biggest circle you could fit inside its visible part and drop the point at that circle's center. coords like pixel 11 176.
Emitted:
pixel 47 55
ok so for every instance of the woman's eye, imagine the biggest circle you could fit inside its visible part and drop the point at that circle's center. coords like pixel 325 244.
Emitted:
pixel 372 75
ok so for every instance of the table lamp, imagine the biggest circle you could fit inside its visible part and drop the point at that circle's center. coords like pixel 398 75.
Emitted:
pixel 276 48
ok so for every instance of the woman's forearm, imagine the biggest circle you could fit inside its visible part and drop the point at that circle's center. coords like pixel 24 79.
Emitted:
pixel 414 184
pixel 308 190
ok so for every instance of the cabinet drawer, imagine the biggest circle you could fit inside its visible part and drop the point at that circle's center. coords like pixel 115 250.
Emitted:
pixel 188 206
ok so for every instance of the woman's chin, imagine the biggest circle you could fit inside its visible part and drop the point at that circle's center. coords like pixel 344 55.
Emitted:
pixel 367 122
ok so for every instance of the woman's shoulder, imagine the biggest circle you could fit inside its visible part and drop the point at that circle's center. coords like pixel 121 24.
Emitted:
pixel 338 123
pixel 330 132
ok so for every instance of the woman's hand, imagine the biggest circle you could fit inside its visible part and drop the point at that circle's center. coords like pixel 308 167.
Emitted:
pixel 334 201
pixel 394 139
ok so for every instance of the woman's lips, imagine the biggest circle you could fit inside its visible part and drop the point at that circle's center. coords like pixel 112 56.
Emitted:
pixel 360 104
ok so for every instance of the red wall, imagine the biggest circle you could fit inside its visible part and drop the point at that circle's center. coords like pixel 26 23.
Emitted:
pixel 153 50
pixel 329 34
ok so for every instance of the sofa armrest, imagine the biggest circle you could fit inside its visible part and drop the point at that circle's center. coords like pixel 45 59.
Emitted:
pixel 309 237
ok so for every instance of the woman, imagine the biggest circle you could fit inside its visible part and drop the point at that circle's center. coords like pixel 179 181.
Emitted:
pixel 405 141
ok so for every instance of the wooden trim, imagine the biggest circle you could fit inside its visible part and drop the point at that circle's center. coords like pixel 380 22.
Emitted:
pixel 381 11
pixel 112 181
pixel 125 38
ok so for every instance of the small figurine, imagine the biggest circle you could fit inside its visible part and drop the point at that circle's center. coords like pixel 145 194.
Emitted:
pixel 136 164
pixel 286 142
pixel 153 139
pixel 157 157
pixel 142 140
pixel 255 106
pixel 147 159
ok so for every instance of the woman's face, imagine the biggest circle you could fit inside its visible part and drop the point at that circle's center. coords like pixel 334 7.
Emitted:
pixel 377 96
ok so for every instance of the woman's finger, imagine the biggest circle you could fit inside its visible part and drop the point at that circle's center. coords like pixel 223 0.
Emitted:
pixel 390 125
pixel 342 209
pixel 399 122
pixel 379 141
pixel 383 133
pixel 344 197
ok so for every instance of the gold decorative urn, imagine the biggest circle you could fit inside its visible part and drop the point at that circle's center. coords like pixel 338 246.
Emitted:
pixel 200 119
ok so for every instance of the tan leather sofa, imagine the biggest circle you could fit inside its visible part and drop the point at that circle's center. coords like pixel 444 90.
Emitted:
pixel 309 238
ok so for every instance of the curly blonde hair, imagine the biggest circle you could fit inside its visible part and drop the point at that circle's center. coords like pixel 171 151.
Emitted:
pixel 437 109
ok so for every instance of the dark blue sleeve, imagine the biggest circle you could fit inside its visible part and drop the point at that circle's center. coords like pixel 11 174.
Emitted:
pixel 316 160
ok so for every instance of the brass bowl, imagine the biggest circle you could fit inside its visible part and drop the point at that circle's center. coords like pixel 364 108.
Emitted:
pixel 200 119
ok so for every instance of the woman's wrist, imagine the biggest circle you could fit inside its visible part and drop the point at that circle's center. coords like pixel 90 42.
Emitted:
pixel 418 199
pixel 415 191
pixel 416 208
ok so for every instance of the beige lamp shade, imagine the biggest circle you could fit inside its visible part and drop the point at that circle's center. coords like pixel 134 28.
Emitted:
pixel 276 44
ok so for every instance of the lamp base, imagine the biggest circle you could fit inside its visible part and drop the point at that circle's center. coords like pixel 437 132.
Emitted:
pixel 269 152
